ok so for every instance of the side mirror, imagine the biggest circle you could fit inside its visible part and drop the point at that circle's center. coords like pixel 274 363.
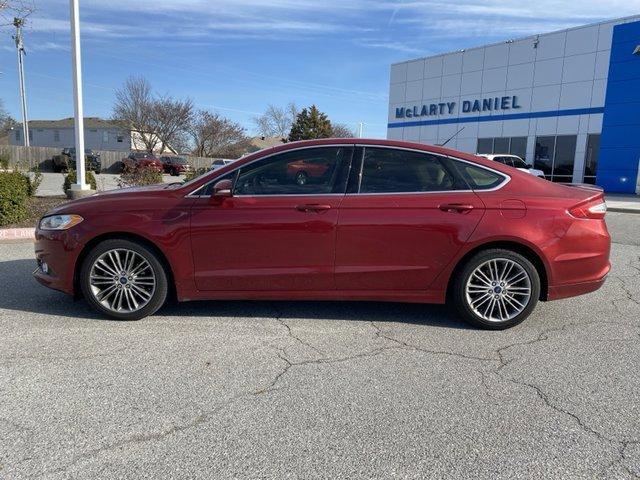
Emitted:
pixel 222 190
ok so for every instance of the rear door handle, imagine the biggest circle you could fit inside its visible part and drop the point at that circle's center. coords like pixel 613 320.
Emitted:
pixel 313 207
pixel 456 207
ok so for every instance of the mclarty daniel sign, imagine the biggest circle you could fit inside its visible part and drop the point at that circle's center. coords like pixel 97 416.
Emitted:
pixel 467 106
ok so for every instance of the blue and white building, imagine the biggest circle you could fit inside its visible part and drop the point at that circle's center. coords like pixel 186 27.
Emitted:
pixel 568 102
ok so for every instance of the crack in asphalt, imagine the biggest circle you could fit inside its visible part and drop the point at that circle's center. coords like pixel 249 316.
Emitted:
pixel 297 338
pixel 500 359
pixel 407 346
pixel 142 438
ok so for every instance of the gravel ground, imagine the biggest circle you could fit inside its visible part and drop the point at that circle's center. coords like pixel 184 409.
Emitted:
pixel 320 390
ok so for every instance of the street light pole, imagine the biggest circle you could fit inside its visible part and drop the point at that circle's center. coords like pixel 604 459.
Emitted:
pixel 77 96
pixel 19 23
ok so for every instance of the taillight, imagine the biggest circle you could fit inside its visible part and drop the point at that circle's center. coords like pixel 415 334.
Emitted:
pixel 595 208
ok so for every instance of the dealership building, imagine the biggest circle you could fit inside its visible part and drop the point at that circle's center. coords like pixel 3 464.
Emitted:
pixel 567 102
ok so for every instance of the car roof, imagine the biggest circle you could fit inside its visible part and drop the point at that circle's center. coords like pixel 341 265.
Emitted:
pixel 375 142
pixel 491 156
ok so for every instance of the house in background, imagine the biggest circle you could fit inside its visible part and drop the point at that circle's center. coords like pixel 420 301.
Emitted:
pixel 99 134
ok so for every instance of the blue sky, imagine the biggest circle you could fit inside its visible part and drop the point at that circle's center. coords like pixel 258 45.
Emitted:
pixel 237 56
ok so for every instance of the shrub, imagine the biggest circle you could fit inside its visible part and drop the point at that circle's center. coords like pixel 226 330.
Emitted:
pixel 14 191
pixel 4 161
pixel 138 177
pixel 71 177
pixel 34 180
pixel 196 172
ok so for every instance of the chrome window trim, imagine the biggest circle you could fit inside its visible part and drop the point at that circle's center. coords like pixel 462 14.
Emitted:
pixel 341 145
pixel 507 178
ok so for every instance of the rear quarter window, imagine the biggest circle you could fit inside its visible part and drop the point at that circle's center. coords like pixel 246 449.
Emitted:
pixel 479 178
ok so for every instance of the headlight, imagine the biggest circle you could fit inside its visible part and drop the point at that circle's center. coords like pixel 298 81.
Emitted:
pixel 59 222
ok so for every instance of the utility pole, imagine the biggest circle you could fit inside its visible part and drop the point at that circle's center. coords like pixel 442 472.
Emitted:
pixel 77 96
pixel 19 23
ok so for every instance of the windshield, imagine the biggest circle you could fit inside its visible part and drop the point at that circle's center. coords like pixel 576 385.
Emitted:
pixel 518 163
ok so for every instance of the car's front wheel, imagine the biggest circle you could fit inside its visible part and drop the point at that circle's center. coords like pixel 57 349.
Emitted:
pixel 496 289
pixel 123 280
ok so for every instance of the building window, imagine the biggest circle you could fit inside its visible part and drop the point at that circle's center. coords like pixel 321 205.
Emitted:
pixel 555 156
pixel 591 158
pixel 56 135
pixel 18 135
pixel 31 135
pixel 512 145
pixel 501 145
pixel 119 139
pixel 105 137
pixel 565 158
pixel 518 147
pixel 485 145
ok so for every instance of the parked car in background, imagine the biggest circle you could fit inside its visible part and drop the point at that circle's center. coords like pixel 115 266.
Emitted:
pixel 219 163
pixel 308 169
pixel 175 165
pixel 389 220
pixel 66 160
pixel 514 161
pixel 137 160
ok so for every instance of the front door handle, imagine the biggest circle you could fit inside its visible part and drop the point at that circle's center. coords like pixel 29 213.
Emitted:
pixel 456 207
pixel 313 207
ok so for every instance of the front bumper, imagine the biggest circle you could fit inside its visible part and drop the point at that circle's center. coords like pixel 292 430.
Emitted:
pixel 59 250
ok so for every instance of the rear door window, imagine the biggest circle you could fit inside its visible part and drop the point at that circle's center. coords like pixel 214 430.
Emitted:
pixel 387 170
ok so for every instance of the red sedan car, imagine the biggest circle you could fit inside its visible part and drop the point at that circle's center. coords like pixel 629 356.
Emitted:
pixel 308 168
pixel 137 160
pixel 390 221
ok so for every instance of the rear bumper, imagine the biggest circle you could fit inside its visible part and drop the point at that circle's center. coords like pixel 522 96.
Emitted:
pixel 573 290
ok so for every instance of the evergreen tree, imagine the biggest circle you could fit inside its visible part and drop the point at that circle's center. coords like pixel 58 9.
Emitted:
pixel 310 123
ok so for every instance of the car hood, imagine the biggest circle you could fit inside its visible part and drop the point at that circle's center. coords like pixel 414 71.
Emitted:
pixel 120 200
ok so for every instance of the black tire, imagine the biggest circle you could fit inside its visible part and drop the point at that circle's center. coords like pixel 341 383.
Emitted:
pixel 461 301
pixel 161 283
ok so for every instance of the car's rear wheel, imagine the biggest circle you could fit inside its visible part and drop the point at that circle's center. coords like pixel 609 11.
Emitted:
pixel 496 289
pixel 123 279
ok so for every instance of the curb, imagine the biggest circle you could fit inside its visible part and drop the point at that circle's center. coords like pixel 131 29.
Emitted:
pixel 17 235
pixel 623 210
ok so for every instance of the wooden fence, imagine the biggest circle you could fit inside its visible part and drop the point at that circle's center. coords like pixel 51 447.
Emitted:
pixel 30 157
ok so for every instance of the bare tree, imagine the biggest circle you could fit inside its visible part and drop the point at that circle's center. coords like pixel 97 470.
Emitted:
pixel 216 136
pixel 134 110
pixel 340 130
pixel 171 118
pixel 6 120
pixel 276 121
pixel 9 9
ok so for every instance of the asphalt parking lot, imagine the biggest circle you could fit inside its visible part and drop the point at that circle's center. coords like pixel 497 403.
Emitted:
pixel 320 390
pixel 52 182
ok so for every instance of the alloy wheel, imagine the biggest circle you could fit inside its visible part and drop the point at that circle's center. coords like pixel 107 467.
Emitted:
pixel 498 290
pixel 122 280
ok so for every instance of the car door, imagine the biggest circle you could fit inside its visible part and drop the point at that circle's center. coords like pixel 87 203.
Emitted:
pixel 405 221
pixel 274 233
